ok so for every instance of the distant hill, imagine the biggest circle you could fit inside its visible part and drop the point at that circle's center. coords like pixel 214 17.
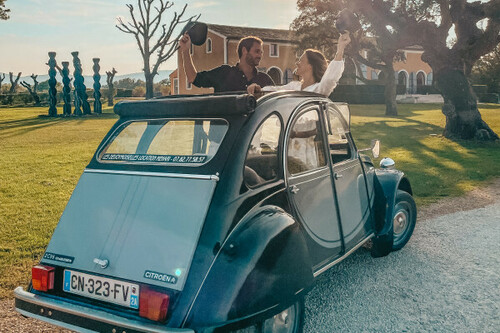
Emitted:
pixel 89 81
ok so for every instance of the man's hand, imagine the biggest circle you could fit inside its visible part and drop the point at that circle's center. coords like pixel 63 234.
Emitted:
pixel 344 39
pixel 185 43
pixel 255 90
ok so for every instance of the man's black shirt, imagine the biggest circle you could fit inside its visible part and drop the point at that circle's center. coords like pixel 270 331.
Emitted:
pixel 230 78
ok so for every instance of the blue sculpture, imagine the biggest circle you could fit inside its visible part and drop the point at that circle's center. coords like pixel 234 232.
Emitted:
pixel 52 84
pixel 97 86
pixel 81 97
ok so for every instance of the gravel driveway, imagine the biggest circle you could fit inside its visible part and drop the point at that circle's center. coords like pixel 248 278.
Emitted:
pixel 446 279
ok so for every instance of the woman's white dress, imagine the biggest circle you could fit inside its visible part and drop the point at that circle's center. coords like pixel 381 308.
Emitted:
pixel 325 86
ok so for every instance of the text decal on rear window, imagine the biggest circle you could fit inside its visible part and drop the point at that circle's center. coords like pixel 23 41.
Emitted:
pixel 154 158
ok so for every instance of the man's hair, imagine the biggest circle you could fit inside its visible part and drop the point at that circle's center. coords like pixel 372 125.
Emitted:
pixel 318 63
pixel 247 43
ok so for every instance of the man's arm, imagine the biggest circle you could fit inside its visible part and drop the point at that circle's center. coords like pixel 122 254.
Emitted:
pixel 189 69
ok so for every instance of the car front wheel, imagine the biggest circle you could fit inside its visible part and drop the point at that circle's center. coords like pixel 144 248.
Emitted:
pixel 404 219
pixel 290 320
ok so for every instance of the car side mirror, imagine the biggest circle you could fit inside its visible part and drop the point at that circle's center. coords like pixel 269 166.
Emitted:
pixel 375 148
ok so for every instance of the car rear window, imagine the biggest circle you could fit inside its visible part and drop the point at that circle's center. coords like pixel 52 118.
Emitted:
pixel 165 141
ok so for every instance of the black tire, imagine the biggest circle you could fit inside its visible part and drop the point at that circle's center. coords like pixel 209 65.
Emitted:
pixel 293 325
pixel 404 219
pixel 290 320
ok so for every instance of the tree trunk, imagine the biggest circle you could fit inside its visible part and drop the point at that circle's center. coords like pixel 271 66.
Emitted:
pixel 149 85
pixel 463 120
pixel 391 108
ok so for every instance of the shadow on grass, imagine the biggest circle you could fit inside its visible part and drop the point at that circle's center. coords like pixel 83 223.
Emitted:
pixel 436 166
pixel 20 127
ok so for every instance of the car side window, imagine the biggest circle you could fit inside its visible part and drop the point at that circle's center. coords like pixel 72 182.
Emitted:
pixel 305 144
pixel 261 163
pixel 338 143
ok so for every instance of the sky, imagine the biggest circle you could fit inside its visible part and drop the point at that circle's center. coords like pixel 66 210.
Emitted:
pixel 36 27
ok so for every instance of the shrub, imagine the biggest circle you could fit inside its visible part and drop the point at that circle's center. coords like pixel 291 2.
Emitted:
pixel 139 91
pixel 480 88
pixel 488 98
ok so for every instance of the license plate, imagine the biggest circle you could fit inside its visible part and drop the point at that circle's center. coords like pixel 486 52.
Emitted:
pixel 101 288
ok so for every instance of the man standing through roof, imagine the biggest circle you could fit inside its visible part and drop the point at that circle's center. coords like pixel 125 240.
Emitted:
pixel 228 78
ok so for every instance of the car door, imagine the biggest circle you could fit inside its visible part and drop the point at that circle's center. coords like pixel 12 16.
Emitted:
pixel 350 182
pixel 309 180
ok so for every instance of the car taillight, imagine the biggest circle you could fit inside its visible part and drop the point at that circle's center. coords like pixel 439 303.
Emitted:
pixel 152 304
pixel 42 277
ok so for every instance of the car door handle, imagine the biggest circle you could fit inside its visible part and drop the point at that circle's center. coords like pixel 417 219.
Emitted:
pixel 294 189
pixel 337 175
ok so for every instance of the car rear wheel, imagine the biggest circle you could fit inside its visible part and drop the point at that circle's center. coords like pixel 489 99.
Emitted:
pixel 404 219
pixel 290 320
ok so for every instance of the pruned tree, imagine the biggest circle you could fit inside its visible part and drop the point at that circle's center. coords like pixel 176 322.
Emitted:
pixel 146 25
pixel 2 77
pixel 32 91
pixel 13 82
pixel 4 11
pixel 315 23
pixel 428 23
pixel 111 87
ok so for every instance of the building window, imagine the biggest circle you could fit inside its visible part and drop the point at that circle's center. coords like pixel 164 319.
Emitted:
pixel 191 49
pixel 274 50
pixel 176 86
pixel 209 45
pixel 189 85
pixel 288 76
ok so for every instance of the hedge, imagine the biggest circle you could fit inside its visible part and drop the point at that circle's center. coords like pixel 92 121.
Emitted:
pixel 488 98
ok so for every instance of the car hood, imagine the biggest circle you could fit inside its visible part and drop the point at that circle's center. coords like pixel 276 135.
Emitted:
pixel 144 226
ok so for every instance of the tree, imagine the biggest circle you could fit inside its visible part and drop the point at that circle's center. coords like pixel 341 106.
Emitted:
pixel 3 11
pixel 129 83
pixel 111 88
pixel 13 82
pixel 144 27
pixel 487 71
pixel 2 77
pixel 314 26
pixel 427 23
pixel 33 91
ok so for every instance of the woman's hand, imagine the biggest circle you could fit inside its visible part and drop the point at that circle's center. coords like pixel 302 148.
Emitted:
pixel 344 39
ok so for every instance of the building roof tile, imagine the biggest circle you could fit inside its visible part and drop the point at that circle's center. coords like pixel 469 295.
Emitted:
pixel 267 35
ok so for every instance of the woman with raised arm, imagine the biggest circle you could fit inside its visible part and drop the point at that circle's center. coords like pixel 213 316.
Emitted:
pixel 316 74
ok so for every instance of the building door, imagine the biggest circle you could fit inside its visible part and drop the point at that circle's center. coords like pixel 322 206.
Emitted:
pixel 420 82
pixel 402 79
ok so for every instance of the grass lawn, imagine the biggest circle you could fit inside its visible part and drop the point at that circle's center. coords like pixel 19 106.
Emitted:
pixel 42 159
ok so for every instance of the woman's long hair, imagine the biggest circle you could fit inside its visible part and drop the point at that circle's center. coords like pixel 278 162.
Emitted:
pixel 318 63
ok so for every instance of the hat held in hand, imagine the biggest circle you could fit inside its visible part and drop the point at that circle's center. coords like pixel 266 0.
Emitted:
pixel 197 31
pixel 347 21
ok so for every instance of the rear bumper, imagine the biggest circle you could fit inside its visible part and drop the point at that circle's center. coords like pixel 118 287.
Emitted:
pixel 79 318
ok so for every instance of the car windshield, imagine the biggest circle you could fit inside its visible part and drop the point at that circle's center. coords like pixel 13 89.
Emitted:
pixel 165 141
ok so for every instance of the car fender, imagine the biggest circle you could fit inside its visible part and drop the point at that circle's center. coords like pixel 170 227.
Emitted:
pixel 262 266
pixel 387 183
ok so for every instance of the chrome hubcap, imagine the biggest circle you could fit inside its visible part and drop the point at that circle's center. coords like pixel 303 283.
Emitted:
pixel 400 222
pixel 282 322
